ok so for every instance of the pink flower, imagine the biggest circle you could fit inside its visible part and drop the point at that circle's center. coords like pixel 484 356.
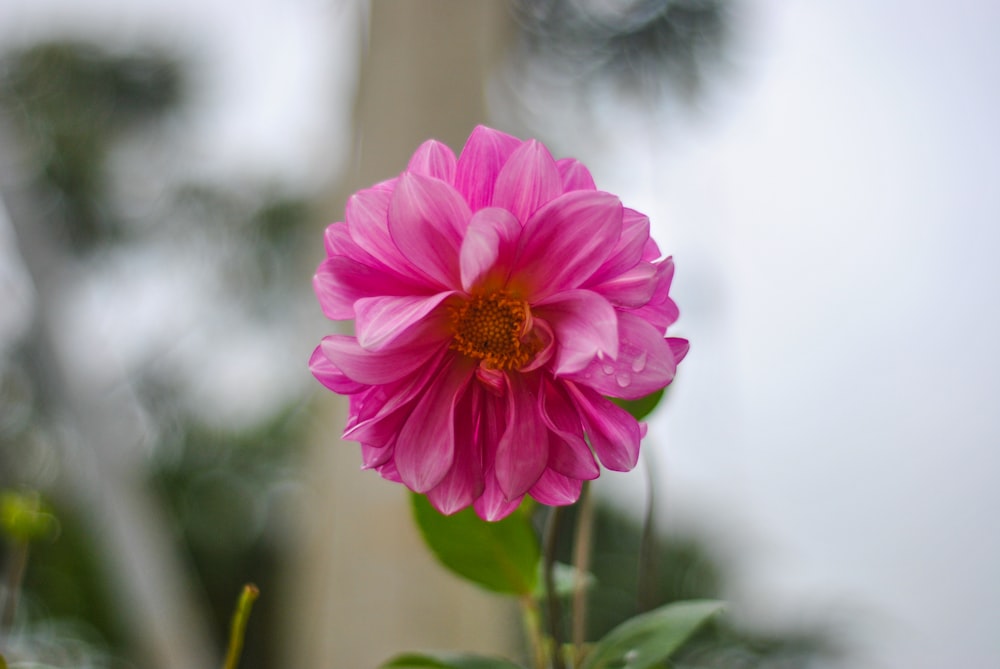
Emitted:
pixel 498 299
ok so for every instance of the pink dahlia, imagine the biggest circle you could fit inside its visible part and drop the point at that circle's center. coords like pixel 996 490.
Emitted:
pixel 499 299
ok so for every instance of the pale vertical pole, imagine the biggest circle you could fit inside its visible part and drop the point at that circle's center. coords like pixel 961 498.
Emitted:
pixel 363 586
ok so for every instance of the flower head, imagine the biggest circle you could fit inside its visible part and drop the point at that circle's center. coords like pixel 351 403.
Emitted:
pixel 499 299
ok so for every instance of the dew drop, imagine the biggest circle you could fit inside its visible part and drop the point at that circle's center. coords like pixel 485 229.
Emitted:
pixel 624 379
pixel 608 369
pixel 639 363
pixel 630 657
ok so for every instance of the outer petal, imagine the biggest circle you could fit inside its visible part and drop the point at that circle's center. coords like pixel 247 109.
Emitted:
pixel 493 505
pixel 661 310
pixel 679 347
pixel 488 248
pixel 425 448
pixel 463 483
pixel 376 367
pixel 427 219
pixel 574 175
pixel 568 452
pixel 585 325
pixel 484 155
pixel 613 433
pixel 523 449
pixel 528 180
pixel 373 457
pixel 555 489
pixel 631 289
pixel 645 362
pixel 433 159
pixel 331 377
pixel 367 215
pixel 628 250
pixel 383 321
pixel 340 281
pixel 565 241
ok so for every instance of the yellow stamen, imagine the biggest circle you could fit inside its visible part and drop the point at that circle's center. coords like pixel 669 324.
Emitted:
pixel 492 328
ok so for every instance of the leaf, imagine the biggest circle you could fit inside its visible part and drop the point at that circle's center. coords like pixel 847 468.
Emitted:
pixel 650 638
pixel 502 556
pixel 641 407
pixel 3 663
pixel 448 661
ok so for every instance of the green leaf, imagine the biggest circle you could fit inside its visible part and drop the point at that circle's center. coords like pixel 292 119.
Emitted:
pixel 650 638
pixel 3 663
pixel 448 661
pixel 641 407
pixel 501 556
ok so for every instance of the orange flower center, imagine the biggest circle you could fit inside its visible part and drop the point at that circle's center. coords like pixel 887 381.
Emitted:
pixel 492 328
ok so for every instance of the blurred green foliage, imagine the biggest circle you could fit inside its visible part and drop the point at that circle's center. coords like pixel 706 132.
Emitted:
pixel 683 569
pixel 69 100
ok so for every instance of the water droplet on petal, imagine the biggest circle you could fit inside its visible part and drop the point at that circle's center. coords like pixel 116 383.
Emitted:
pixel 639 363
pixel 608 369
pixel 623 379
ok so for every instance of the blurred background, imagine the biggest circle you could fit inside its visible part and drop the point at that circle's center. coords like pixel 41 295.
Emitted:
pixel 824 173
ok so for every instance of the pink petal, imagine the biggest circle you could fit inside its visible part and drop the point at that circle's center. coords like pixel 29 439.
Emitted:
pixel 425 447
pixel 527 180
pixel 331 377
pixel 433 159
pixel 463 483
pixel 628 251
pixel 373 458
pixel 585 326
pixel 376 367
pixel 367 215
pixel 661 310
pixel 377 416
pixel 613 433
pixel 568 452
pixel 484 155
pixel 386 320
pixel 523 449
pixel 493 505
pixel 679 347
pixel 631 289
pixel 427 219
pixel 488 248
pixel 645 362
pixel 340 282
pixel 555 489
pixel 565 241
pixel 574 175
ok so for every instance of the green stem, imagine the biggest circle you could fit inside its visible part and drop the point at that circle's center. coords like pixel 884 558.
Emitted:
pixel 551 596
pixel 15 575
pixel 582 543
pixel 531 618
pixel 237 629
pixel 646 582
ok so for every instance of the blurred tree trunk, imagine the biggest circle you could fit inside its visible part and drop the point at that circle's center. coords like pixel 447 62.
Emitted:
pixel 363 586
pixel 100 431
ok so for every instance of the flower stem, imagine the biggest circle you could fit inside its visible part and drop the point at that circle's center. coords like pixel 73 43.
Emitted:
pixel 582 542
pixel 533 630
pixel 551 596
pixel 15 575
pixel 238 627
pixel 646 582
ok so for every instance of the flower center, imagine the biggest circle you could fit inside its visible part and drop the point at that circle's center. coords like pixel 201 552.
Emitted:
pixel 491 328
